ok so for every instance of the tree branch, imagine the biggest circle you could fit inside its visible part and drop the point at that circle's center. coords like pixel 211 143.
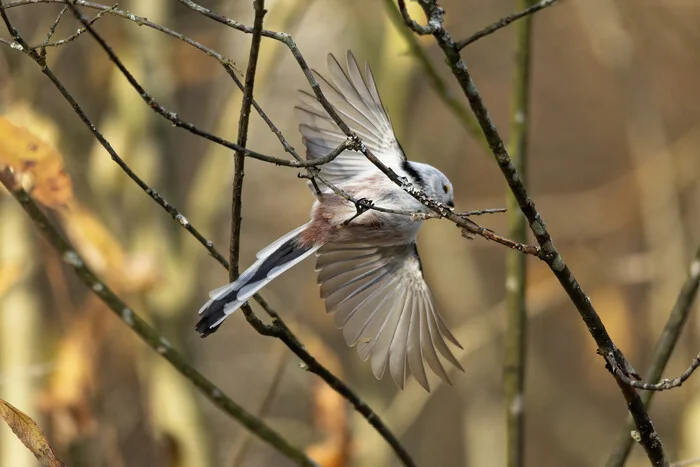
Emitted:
pixel 503 22
pixel 239 158
pixel 413 25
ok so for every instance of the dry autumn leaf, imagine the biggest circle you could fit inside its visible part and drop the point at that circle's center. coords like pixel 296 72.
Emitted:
pixel 27 154
pixel 30 434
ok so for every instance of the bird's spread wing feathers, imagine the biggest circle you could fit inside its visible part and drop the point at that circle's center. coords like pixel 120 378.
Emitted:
pixel 356 99
pixel 378 296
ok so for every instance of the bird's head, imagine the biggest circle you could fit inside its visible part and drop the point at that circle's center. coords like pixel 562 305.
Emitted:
pixel 434 183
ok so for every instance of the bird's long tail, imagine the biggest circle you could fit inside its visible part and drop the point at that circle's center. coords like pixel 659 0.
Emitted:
pixel 272 261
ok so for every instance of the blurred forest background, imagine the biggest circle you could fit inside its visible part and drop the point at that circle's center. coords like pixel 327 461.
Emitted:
pixel 614 168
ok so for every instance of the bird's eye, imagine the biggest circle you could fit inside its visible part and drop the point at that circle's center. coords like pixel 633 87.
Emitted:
pixel 446 188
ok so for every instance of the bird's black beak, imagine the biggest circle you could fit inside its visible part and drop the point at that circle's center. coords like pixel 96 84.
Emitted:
pixel 451 204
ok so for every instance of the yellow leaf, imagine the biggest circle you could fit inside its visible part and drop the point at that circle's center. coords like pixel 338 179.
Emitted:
pixel 27 154
pixel 30 434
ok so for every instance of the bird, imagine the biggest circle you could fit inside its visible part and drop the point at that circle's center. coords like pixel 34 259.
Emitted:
pixel 369 271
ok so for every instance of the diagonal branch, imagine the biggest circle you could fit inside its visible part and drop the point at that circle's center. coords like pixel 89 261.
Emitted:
pixel 149 335
pixel 503 22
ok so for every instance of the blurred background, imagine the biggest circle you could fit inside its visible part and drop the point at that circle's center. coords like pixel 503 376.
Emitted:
pixel 614 169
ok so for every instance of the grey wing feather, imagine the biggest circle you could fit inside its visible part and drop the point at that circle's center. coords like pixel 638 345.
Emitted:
pixel 357 101
pixel 378 296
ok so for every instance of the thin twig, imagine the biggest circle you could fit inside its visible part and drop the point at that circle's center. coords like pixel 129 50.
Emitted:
pixel 239 157
pixel 606 347
pixel 52 30
pixel 481 212
pixel 503 22
pixel 413 25
pixel 239 161
pixel 516 273
pixel 686 463
pixel 70 38
pixel 662 353
pixel 137 324
pixel 665 383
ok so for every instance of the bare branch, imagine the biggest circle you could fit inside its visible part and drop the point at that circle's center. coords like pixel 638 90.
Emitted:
pixel 413 25
pixel 52 30
pixel 503 22
pixel 239 158
pixel 665 383
pixel 686 463
pixel 70 38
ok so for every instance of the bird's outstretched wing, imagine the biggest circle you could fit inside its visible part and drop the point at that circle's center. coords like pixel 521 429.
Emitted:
pixel 357 101
pixel 378 296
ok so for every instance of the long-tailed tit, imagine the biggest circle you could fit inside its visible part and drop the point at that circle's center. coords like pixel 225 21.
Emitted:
pixel 369 270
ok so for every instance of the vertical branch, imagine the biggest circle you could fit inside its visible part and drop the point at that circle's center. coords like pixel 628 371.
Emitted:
pixel 662 354
pixel 516 328
pixel 239 157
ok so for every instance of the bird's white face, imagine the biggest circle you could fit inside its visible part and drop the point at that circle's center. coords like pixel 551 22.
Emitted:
pixel 434 183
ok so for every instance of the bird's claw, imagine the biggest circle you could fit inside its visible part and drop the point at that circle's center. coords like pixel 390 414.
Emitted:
pixel 363 205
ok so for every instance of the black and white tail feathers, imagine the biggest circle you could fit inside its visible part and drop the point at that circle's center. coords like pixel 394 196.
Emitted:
pixel 272 261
